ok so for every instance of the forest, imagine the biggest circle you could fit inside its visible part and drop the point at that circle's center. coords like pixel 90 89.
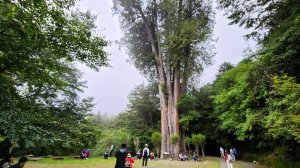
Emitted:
pixel 253 105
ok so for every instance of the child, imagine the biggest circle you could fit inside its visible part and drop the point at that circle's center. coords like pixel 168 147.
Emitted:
pixel 152 156
pixel 129 161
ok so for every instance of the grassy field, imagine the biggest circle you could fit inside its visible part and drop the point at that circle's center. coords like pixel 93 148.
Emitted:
pixel 210 162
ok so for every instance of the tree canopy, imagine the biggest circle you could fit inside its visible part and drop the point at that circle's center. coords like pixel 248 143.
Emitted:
pixel 39 84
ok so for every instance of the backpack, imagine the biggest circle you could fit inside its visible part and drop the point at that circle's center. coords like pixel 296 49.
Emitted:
pixel 145 152
pixel 127 163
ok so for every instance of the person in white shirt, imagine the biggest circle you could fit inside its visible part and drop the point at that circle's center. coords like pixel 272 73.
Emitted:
pixel 222 152
pixel 145 155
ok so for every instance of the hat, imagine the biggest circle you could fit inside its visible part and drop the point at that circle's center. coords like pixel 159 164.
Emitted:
pixel 146 145
pixel 123 146
pixel 23 159
pixel 128 155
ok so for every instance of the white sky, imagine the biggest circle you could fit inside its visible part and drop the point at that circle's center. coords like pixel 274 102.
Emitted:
pixel 111 86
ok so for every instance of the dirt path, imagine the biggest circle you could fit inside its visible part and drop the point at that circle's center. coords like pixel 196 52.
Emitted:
pixel 237 164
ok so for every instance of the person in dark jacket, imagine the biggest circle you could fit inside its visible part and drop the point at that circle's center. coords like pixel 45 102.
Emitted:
pixel 121 155
pixel 21 163
pixel 7 161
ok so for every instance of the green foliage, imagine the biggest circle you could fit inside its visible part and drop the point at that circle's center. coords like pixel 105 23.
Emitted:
pixel 39 86
pixel 141 119
pixel 174 139
pixel 283 107
pixel 115 137
pixel 199 139
pixel 156 140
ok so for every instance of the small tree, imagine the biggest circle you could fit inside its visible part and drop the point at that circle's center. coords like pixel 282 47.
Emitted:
pixel 174 141
pixel 188 141
pixel 199 139
pixel 156 140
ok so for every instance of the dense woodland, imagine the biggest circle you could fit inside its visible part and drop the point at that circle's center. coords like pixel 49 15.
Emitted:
pixel 253 106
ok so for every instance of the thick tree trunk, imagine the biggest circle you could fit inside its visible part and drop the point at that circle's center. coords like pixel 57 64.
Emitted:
pixel 153 37
pixel 170 106
pixel 176 99
pixel 181 141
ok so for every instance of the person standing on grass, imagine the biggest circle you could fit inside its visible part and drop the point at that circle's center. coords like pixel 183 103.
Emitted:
pixel 121 155
pixel 145 155
pixel 222 152
pixel 21 163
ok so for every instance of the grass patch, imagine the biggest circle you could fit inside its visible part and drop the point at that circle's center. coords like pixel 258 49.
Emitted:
pixel 69 162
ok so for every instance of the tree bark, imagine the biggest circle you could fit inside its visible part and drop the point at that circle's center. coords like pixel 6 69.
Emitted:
pixel 202 150
pixel 170 106
pixel 155 45
pixel 176 100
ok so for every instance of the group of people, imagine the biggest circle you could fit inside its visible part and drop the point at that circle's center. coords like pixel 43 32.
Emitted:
pixel 183 157
pixel 229 156
pixel 7 162
pixel 124 159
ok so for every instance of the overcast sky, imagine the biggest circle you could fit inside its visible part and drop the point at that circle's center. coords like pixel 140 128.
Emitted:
pixel 111 86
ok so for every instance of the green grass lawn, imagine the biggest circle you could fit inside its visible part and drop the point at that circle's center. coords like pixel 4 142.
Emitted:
pixel 68 162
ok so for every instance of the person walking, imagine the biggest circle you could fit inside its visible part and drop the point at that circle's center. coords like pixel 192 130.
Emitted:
pixel 228 159
pixel 21 163
pixel 234 152
pixel 145 155
pixel 222 152
pixel 121 155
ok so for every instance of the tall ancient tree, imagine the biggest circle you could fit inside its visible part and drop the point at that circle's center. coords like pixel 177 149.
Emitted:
pixel 167 41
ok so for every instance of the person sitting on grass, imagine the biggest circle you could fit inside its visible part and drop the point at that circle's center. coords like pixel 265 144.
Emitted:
pixel 152 155
pixel 139 155
pixel 181 158
pixel 185 157
pixel 195 157
pixel 7 161
pixel 21 163
pixel 129 161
